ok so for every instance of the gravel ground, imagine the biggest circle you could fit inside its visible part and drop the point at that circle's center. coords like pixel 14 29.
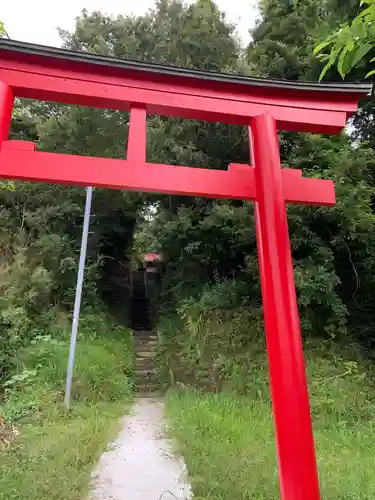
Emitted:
pixel 140 464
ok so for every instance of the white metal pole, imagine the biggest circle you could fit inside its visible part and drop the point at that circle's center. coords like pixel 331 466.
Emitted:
pixel 77 301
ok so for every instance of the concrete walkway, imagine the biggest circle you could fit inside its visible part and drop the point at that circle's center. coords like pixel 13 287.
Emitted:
pixel 140 464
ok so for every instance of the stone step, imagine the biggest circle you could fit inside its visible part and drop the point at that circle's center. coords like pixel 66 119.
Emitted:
pixel 146 381
pixel 145 347
pixel 145 354
pixel 146 372
pixel 138 327
pixel 144 364
pixel 145 343
pixel 147 389
pixel 145 338
pixel 146 386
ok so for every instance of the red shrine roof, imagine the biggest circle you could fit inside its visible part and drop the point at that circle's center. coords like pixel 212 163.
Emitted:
pixel 12 46
pixel 150 258
pixel 72 77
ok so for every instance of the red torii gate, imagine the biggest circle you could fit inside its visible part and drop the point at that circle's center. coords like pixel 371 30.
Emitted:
pixel 44 73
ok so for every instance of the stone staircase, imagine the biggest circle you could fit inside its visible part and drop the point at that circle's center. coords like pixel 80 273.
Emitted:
pixel 145 340
pixel 145 346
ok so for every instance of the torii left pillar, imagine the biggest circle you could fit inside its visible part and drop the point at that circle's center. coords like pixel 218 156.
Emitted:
pixel 6 108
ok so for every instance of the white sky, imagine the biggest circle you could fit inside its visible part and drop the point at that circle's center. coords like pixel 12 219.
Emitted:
pixel 36 20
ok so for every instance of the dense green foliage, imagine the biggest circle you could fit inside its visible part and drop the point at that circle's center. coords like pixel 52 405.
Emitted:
pixel 351 43
pixel 351 52
pixel 103 369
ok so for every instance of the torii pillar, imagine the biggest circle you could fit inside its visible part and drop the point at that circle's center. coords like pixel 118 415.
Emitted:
pixel 294 435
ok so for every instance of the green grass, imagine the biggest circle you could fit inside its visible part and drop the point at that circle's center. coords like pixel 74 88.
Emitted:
pixel 55 451
pixel 52 459
pixel 228 442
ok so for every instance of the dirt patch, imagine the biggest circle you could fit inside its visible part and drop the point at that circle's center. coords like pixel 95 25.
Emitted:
pixel 7 433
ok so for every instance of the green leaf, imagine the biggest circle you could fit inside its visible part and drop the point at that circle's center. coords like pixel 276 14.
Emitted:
pixel 322 46
pixel 327 67
pixel 323 57
pixel 358 28
pixel 370 73
pixel 342 64
pixel 359 54
pixel 332 58
pixel 350 44
pixel 370 11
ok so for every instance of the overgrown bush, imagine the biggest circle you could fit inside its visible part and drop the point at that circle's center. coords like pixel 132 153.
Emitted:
pixel 208 331
pixel 216 339
pixel 102 372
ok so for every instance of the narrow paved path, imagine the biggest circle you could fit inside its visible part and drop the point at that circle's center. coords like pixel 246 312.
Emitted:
pixel 140 464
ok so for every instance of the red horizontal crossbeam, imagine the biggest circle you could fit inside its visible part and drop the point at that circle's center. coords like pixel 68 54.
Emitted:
pixel 19 160
pixel 113 93
pixel 54 79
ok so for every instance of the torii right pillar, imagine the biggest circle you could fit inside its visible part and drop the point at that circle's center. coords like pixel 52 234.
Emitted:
pixel 292 419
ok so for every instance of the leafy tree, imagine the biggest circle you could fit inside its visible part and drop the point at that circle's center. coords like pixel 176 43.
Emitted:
pixel 351 43
pixel 282 41
pixel 171 33
pixel 350 49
